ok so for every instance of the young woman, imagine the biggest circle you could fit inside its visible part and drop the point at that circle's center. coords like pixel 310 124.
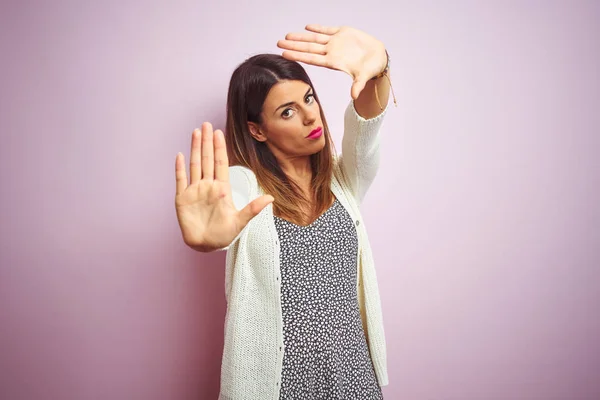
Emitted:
pixel 303 318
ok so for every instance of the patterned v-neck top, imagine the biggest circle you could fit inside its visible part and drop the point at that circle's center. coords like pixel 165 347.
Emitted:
pixel 325 352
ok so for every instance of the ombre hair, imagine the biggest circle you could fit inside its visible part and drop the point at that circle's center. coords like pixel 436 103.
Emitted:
pixel 248 88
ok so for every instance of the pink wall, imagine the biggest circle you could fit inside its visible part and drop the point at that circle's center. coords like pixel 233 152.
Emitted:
pixel 484 218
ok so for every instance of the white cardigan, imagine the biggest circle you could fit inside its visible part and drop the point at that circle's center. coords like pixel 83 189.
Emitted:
pixel 253 349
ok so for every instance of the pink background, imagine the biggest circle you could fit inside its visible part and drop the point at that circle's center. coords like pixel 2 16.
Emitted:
pixel 484 218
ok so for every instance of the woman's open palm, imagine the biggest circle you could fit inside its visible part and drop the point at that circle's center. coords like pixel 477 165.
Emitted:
pixel 346 49
pixel 207 216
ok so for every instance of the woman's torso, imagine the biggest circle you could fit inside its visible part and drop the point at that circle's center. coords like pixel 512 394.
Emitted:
pixel 326 355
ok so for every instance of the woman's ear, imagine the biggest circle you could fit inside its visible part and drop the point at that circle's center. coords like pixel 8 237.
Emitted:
pixel 256 132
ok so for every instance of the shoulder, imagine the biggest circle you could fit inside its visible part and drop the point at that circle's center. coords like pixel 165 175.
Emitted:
pixel 243 180
pixel 241 172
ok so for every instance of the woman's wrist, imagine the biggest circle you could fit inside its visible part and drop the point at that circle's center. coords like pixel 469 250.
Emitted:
pixel 386 68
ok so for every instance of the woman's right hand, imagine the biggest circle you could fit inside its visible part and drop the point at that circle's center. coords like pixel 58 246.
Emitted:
pixel 207 216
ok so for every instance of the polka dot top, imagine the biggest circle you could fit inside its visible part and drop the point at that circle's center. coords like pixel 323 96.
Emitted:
pixel 325 351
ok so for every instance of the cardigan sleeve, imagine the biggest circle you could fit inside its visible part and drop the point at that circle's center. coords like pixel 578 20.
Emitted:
pixel 359 159
pixel 240 192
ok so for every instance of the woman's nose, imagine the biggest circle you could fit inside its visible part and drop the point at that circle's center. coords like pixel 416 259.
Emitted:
pixel 309 117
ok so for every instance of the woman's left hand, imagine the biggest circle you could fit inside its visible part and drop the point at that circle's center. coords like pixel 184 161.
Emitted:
pixel 343 48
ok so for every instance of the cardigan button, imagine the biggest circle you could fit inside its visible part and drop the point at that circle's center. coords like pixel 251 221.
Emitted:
pixel 357 222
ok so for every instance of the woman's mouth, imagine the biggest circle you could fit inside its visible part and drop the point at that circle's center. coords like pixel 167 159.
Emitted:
pixel 316 133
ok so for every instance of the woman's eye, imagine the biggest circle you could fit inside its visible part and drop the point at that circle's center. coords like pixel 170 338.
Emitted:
pixel 287 112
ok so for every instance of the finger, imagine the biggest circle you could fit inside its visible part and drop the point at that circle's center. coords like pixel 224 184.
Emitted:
pixel 327 30
pixel 208 162
pixel 308 37
pixel 254 208
pixel 357 87
pixel 195 170
pixel 221 160
pixel 180 175
pixel 313 59
pixel 306 47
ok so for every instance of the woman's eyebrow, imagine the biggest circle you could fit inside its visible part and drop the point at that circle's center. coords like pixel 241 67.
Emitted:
pixel 292 102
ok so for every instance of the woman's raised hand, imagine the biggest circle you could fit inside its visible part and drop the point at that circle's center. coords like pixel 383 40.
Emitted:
pixel 207 216
pixel 344 48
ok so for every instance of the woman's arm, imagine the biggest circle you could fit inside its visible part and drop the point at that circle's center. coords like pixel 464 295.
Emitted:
pixel 359 159
pixel 366 104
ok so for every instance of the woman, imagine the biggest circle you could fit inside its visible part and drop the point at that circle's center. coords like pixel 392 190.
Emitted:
pixel 303 310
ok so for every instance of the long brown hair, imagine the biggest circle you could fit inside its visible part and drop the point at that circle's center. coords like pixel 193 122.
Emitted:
pixel 248 88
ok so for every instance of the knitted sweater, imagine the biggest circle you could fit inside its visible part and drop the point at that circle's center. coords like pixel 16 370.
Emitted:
pixel 253 350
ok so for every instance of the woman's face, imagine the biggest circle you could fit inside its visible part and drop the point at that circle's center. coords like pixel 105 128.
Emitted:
pixel 290 114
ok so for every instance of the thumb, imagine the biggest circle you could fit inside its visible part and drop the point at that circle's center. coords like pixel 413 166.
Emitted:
pixel 357 87
pixel 254 208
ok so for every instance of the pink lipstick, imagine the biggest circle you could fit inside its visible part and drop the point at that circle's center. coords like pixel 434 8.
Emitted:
pixel 315 134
